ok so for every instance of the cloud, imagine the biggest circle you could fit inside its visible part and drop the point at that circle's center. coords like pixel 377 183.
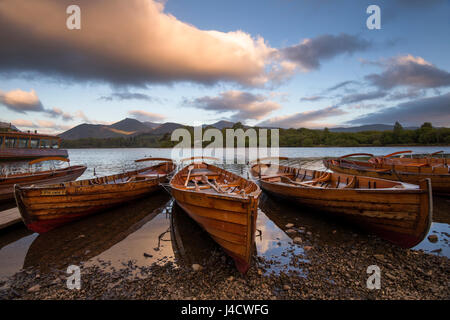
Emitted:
pixel 358 97
pixel 81 115
pixel 130 42
pixel 409 94
pixel 129 96
pixel 310 52
pixel 243 105
pixel 21 101
pixel 409 71
pixel 146 116
pixel 44 126
pixel 341 85
pixel 303 119
pixel 412 113
pixel 57 112
pixel 312 98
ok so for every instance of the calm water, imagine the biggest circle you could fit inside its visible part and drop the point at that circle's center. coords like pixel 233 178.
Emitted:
pixel 157 230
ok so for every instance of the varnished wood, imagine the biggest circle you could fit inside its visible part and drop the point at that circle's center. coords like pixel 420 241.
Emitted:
pixel 48 159
pixel 398 212
pixel 46 207
pixel 222 203
pixel 37 178
pixel 400 169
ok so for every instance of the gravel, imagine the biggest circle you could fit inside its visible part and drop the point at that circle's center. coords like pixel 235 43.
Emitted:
pixel 322 272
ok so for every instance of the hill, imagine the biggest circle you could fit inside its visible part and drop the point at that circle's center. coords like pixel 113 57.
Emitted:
pixel 369 127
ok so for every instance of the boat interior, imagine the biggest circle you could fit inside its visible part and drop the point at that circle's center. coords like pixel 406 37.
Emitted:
pixel 149 173
pixel 211 179
pixel 414 167
pixel 318 179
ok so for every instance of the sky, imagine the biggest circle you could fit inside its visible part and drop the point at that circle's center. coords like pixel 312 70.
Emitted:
pixel 278 63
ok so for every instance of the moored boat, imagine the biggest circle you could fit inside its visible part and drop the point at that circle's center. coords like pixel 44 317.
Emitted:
pixel 49 206
pixel 16 145
pixel 419 161
pixel 7 181
pixel 398 212
pixel 224 204
pixel 438 173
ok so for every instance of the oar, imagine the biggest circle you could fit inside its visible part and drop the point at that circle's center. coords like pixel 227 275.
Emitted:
pixel 189 175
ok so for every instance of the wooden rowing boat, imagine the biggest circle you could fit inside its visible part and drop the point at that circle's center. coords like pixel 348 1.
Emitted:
pixel 7 182
pixel 430 160
pixel 439 174
pixel 222 203
pixel 46 207
pixel 398 212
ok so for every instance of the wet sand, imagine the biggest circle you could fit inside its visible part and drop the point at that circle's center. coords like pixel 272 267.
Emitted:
pixel 146 250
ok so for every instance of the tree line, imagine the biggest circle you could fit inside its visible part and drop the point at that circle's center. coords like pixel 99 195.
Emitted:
pixel 302 137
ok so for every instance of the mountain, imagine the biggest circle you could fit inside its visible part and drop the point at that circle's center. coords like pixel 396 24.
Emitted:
pixel 7 125
pixel 151 125
pixel 220 124
pixel 369 127
pixel 124 128
pixel 130 125
pixel 166 128
pixel 86 130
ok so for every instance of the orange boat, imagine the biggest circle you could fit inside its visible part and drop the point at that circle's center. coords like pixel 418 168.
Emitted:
pixel 7 182
pixel 222 203
pixel 47 207
pixel 398 212
pixel 384 168
pixel 429 160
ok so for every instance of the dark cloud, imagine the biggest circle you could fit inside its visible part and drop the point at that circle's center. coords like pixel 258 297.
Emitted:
pixel 412 113
pixel 303 119
pixel 341 85
pixel 243 105
pixel 409 94
pixel 358 97
pixel 56 112
pixel 131 42
pixel 128 96
pixel 310 52
pixel 409 71
pixel 312 98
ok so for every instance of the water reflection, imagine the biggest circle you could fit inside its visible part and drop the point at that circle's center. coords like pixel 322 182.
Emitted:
pixel 96 236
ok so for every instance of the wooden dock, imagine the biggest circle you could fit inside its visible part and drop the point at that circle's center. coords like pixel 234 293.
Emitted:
pixel 9 217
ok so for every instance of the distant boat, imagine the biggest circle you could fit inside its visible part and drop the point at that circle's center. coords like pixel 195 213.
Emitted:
pixel 7 182
pixel 412 160
pixel 398 212
pixel 44 208
pixel 409 171
pixel 16 145
pixel 224 204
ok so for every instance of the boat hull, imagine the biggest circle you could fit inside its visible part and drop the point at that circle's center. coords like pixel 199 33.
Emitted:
pixel 230 223
pixel 45 208
pixel 14 154
pixel 229 220
pixel 402 217
pixel 47 177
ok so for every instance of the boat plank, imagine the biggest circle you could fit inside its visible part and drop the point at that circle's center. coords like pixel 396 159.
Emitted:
pixel 9 217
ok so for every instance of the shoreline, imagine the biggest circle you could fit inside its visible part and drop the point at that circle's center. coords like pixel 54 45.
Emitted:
pixel 360 146
pixel 321 272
